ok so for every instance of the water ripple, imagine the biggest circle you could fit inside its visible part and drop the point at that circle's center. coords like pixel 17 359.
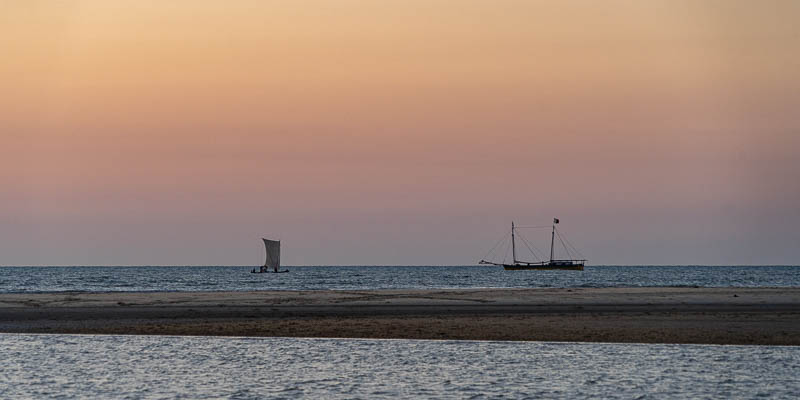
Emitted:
pixel 73 366
pixel 148 279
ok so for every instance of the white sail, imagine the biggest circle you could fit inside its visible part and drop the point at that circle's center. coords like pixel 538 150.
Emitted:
pixel 273 248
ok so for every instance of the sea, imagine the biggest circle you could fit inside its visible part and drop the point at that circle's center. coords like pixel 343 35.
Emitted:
pixel 225 278
pixel 168 367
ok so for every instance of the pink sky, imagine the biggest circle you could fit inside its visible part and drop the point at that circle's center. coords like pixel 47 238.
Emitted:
pixel 397 132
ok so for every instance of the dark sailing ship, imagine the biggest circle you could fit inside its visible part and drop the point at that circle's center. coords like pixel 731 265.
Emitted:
pixel 273 261
pixel 565 263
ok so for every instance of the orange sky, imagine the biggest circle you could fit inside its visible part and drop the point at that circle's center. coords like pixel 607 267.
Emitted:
pixel 397 132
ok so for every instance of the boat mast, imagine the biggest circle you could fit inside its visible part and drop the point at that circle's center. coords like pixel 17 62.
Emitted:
pixel 513 244
pixel 552 239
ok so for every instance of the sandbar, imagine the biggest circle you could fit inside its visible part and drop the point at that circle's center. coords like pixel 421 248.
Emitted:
pixel 759 316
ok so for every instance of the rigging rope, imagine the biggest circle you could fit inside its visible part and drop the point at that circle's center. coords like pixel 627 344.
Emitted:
pixel 531 248
pixel 495 246
pixel 563 245
pixel 505 254
pixel 573 247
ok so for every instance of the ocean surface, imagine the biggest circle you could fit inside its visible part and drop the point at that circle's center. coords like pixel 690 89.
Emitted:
pixel 86 366
pixel 143 279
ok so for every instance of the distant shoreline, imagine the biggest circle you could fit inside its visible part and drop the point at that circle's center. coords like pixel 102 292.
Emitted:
pixel 760 316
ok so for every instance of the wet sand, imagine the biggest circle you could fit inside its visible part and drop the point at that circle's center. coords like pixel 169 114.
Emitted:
pixel 642 315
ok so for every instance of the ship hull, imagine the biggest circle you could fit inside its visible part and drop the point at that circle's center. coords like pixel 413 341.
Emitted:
pixel 574 267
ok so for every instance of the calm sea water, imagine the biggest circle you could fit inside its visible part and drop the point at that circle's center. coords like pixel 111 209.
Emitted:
pixel 138 279
pixel 71 366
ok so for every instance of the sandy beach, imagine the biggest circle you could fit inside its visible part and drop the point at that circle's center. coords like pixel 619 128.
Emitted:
pixel 643 315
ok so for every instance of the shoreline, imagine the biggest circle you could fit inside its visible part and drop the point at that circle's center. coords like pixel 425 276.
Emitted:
pixel 758 316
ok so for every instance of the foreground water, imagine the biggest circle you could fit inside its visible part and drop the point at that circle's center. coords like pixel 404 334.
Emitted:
pixel 68 366
pixel 138 279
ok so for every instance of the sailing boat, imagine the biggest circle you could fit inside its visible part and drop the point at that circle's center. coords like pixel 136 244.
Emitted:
pixel 568 264
pixel 273 261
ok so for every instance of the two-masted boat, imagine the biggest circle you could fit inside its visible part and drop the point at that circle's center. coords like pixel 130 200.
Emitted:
pixel 273 261
pixel 567 263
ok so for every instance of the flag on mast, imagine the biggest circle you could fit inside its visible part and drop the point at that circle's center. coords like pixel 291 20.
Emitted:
pixel 555 220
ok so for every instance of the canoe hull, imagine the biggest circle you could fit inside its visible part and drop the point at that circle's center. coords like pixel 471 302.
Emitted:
pixel 268 272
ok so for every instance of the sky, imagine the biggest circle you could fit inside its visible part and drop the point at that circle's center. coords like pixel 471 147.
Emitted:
pixel 398 132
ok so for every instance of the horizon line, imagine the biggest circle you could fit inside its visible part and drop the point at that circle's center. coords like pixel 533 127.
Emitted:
pixel 391 265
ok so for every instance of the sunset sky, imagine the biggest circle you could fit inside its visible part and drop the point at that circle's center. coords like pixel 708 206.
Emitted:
pixel 397 132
